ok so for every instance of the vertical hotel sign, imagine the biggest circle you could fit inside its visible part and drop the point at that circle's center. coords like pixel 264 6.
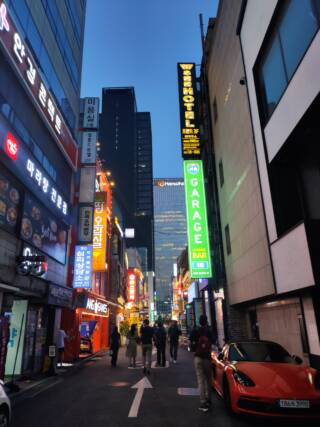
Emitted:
pixel 198 239
pixel 189 117
pixel 99 232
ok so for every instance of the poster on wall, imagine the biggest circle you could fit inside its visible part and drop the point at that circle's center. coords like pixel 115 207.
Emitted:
pixel 15 345
pixel 43 230
pixel 10 198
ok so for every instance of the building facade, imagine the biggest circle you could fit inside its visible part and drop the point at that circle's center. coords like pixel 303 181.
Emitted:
pixel 170 237
pixel 281 57
pixel 126 150
pixel 40 72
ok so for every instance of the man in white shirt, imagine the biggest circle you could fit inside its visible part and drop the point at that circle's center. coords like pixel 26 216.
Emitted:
pixel 60 344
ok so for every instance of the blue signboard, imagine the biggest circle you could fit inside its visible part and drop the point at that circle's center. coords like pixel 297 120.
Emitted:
pixel 82 267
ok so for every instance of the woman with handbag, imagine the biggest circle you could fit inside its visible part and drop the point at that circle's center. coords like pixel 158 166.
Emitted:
pixel 114 346
pixel 132 340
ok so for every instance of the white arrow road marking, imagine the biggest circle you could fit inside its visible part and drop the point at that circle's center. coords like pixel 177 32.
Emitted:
pixel 140 386
pixel 188 391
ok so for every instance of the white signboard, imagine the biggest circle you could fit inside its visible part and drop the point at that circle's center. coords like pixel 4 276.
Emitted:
pixel 89 147
pixel 87 184
pixel 129 233
pixel 91 113
pixel 85 224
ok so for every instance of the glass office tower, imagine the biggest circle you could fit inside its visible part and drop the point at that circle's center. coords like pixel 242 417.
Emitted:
pixel 170 237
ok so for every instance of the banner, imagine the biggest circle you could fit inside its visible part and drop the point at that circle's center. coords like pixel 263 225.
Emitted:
pixel 198 239
pixel 100 232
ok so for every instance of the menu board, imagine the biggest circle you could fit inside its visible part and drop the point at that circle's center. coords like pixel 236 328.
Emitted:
pixel 43 230
pixel 10 198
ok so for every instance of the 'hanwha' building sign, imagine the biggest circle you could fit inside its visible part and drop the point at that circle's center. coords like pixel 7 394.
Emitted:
pixel 189 117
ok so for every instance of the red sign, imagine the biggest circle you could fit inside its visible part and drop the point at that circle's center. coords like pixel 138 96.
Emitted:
pixel 11 146
pixel 22 59
pixel 131 287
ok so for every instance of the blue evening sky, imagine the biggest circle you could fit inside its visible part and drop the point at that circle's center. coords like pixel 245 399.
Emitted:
pixel 138 43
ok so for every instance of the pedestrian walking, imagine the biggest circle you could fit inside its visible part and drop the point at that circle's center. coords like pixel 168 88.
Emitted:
pixel 114 346
pixel 131 341
pixel 174 333
pixel 60 344
pixel 201 340
pixel 146 336
pixel 160 338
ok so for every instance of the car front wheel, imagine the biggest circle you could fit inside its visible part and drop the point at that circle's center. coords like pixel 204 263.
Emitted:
pixel 4 417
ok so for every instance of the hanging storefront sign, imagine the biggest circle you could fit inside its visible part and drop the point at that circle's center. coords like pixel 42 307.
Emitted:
pixel 100 233
pixel 22 59
pixel 22 163
pixel 189 116
pixel 198 239
pixel 91 113
pixel 43 230
pixel 87 184
pixel 85 229
pixel 89 147
pixel 82 277
pixel 59 296
pixel 132 287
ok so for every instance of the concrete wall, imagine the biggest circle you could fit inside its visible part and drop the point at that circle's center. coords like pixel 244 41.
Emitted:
pixel 248 268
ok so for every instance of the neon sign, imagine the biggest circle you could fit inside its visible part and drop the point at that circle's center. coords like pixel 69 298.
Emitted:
pixel 189 121
pixel 23 60
pixel 198 238
pixel 11 146
pixel 131 287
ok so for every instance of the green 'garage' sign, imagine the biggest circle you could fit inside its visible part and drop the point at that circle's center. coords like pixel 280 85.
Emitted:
pixel 198 239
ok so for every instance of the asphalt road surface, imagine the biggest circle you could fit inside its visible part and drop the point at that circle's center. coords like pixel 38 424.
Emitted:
pixel 98 395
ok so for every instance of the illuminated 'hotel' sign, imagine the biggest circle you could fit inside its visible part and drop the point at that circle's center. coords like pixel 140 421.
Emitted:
pixel 189 120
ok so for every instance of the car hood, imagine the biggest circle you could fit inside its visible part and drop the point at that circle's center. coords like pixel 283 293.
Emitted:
pixel 281 378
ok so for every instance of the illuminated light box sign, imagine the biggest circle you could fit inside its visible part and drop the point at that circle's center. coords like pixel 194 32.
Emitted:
pixel 131 287
pixel 97 306
pixel 164 183
pixel 91 113
pixel 99 232
pixel 198 238
pixel 19 160
pixel 189 116
pixel 22 58
pixel 82 267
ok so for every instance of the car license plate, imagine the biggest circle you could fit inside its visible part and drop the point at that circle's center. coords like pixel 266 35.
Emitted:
pixel 294 403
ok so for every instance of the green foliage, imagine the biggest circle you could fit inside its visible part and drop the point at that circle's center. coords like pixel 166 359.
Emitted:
pixel 124 328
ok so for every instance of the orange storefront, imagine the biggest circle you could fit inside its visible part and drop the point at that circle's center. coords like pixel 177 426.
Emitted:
pixel 93 318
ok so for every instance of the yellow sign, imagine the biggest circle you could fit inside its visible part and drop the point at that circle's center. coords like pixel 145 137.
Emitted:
pixel 189 120
pixel 99 232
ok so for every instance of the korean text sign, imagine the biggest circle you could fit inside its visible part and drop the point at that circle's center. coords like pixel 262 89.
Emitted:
pixel 198 238
pixel 82 267
pixel 99 232
pixel 22 58
pixel 189 116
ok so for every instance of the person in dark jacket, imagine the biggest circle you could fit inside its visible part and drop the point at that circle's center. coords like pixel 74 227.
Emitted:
pixel 160 338
pixel 114 346
pixel 174 333
pixel 201 341
pixel 146 334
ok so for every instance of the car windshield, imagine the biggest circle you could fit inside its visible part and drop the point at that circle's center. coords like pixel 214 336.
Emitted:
pixel 259 352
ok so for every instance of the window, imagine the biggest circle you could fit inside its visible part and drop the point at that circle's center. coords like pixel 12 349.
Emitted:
pixel 215 110
pixel 221 175
pixel 293 30
pixel 228 242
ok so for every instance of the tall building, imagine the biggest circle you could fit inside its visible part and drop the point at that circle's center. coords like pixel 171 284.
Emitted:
pixel 170 237
pixel 126 150
pixel 283 87
pixel 40 72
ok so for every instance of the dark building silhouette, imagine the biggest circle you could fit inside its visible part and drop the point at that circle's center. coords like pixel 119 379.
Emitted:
pixel 126 150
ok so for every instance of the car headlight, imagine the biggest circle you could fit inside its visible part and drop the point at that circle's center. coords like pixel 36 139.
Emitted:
pixel 243 379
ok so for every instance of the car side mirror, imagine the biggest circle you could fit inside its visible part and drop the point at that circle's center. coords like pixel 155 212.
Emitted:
pixel 297 359
pixel 220 356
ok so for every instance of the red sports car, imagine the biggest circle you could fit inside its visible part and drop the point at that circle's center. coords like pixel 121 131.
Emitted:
pixel 261 378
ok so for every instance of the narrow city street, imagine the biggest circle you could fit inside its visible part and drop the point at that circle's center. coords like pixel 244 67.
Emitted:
pixel 98 395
